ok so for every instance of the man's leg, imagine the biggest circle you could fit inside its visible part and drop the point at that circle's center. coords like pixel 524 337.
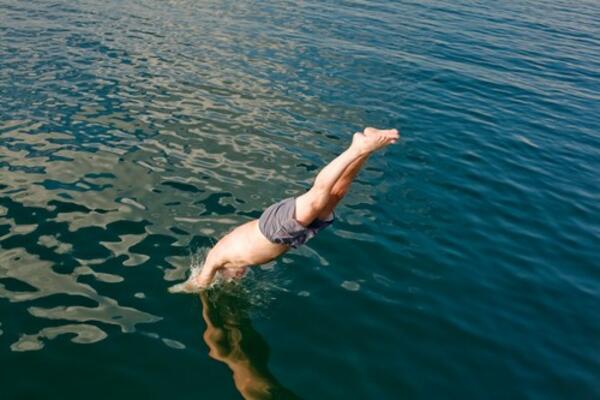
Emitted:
pixel 318 200
pixel 341 187
pixel 312 203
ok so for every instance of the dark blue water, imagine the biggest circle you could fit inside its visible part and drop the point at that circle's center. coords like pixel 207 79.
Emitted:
pixel 464 263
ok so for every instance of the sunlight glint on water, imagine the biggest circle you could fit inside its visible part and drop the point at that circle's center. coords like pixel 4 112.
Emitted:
pixel 463 264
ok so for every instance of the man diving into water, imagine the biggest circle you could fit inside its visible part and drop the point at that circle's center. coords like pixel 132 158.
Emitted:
pixel 292 221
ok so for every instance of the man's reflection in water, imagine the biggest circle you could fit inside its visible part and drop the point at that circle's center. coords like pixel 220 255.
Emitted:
pixel 232 339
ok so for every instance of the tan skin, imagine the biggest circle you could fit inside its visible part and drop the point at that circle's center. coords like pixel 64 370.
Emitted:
pixel 232 340
pixel 246 245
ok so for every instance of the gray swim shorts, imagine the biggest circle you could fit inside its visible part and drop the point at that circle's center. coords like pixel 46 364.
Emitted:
pixel 279 225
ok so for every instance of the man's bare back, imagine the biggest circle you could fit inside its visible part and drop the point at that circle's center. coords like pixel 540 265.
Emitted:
pixel 292 221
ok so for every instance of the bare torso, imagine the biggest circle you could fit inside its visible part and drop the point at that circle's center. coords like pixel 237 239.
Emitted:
pixel 246 245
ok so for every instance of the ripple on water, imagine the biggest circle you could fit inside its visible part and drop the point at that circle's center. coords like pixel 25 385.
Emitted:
pixel 84 334
pixel 351 286
pixel 174 344
pixel 133 137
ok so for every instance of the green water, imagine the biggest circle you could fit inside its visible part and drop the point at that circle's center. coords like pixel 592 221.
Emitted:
pixel 463 264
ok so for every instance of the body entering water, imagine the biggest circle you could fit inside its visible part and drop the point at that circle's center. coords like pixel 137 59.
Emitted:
pixel 291 222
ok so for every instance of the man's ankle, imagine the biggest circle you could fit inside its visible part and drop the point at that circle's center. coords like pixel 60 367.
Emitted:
pixel 356 152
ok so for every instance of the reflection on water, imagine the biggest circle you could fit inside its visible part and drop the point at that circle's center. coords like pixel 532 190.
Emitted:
pixel 134 134
pixel 118 159
pixel 53 227
pixel 84 334
pixel 233 340
pixel 75 218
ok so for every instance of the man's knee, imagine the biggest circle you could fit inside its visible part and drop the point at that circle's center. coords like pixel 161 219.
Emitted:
pixel 310 204
pixel 320 199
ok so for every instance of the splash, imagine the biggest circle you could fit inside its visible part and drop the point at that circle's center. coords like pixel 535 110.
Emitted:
pixel 196 265
pixel 256 289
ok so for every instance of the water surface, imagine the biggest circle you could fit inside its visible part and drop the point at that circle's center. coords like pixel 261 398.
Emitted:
pixel 464 263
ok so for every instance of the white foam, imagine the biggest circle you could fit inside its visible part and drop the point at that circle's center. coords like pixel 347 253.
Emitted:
pixel 526 140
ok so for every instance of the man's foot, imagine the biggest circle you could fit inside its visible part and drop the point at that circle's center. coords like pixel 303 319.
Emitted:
pixel 374 139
